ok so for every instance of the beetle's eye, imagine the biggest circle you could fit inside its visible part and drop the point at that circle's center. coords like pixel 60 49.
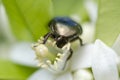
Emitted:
pixel 51 57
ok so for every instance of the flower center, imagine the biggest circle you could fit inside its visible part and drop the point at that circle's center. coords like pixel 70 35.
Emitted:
pixel 50 56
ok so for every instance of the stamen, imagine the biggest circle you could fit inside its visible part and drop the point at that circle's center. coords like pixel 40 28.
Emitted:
pixel 58 59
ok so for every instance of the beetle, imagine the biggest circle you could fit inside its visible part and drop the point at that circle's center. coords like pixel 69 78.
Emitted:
pixel 64 30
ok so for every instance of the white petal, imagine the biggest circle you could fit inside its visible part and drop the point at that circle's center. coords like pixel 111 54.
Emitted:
pixel 92 9
pixel 119 65
pixel 76 17
pixel 42 74
pixel 116 45
pixel 82 74
pixel 23 54
pixel 104 64
pixel 88 33
pixel 65 76
pixel 82 58
pixel 4 24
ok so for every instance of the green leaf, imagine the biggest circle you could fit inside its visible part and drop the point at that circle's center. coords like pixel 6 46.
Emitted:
pixel 8 70
pixel 108 24
pixel 0 1
pixel 61 7
pixel 28 18
pixel 70 7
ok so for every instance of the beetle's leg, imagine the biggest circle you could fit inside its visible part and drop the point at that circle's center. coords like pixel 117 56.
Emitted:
pixel 71 52
pixel 75 38
pixel 46 37
pixel 81 42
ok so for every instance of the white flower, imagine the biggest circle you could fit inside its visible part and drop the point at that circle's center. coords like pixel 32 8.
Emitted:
pixel 99 57
pixel 102 59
